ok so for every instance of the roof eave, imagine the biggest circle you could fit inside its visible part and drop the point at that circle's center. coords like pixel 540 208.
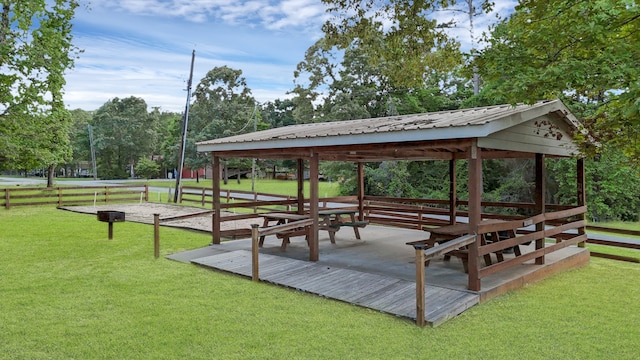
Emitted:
pixel 433 134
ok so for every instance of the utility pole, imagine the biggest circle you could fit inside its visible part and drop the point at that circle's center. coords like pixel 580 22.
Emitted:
pixel 93 153
pixel 476 78
pixel 185 124
pixel 253 161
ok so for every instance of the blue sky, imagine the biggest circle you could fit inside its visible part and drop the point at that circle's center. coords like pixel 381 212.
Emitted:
pixel 143 47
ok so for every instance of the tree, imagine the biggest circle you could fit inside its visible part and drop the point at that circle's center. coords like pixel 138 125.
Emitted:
pixel 147 168
pixel 403 36
pixel 278 113
pixel 223 106
pixel 613 186
pixel 168 144
pixel 584 51
pixel 79 135
pixel 124 131
pixel 35 50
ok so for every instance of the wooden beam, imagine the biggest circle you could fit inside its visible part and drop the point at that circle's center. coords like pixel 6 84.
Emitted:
pixel 215 234
pixel 475 212
pixel 438 149
pixel 582 194
pixel 313 208
pixel 420 320
pixel 503 154
pixel 540 201
pixel 453 192
pixel 360 191
pixel 300 169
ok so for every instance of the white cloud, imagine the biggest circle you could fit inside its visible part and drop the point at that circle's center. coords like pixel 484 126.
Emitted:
pixel 143 47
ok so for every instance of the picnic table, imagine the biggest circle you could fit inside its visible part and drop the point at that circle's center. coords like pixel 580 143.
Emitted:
pixel 449 232
pixel 332 220
pixel 284 218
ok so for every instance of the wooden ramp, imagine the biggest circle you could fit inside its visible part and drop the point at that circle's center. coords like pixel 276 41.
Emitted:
pixel 374 291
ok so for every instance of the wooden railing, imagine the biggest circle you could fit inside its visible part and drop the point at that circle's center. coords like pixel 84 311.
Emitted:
pixel 418 213
pixel 424 254
pixel 257 232
pixel 73 195
pixel 535 229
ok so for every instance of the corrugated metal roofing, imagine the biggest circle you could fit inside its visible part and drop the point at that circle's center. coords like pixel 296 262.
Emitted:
pixel 443 125
pixel 455 118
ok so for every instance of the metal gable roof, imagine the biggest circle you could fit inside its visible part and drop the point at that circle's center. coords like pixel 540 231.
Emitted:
pixel 443 125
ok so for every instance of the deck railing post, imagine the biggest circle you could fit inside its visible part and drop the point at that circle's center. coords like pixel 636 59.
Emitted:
pixel 254 252
pixel 156 235
pixel 420 320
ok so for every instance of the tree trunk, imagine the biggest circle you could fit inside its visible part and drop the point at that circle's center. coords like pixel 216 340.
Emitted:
pixel 50 170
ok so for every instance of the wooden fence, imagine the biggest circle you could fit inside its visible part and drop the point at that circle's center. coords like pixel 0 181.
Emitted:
pixel 571 232
pixel 73 195
pixel 237 199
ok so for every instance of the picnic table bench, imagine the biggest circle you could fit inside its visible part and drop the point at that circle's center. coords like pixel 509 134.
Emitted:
pixel 284 218
pixel 447 233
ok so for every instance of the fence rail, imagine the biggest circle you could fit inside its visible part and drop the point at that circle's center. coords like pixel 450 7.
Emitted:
pixel 72 195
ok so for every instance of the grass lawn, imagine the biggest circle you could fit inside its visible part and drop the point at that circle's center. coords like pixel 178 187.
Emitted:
pixel 68 292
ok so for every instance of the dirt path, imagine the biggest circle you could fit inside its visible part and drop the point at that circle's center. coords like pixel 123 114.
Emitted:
pixel 143 213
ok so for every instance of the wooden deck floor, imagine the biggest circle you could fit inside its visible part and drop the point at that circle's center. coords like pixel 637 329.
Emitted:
pixel 374 291
pixel 377 272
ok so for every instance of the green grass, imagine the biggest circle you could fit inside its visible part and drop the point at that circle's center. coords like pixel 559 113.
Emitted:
pixel 626 225
pixel 68 292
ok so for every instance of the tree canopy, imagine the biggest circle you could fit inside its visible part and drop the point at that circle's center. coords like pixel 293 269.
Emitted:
pixel 585 52
pixel 35 50
pixel 405 36
pixel 124 131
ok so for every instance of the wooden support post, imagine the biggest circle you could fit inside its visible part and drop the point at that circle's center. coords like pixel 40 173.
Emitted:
pixel 255 200
pixel 146 192
pixel 453 192
pixel 254 252
pixel 313 208
pixel 156 235
pixel 540 201
pixel 582 190
pixel 360 191
pixel 59 196
pixel 420 320
pixel 300 168
pixel 216 217
pixel 475 212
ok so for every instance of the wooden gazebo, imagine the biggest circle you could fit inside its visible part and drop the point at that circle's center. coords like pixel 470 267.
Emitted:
pixel 506 131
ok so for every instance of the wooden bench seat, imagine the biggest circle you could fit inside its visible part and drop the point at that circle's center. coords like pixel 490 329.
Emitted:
pixel 351 224
pixel 285 235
